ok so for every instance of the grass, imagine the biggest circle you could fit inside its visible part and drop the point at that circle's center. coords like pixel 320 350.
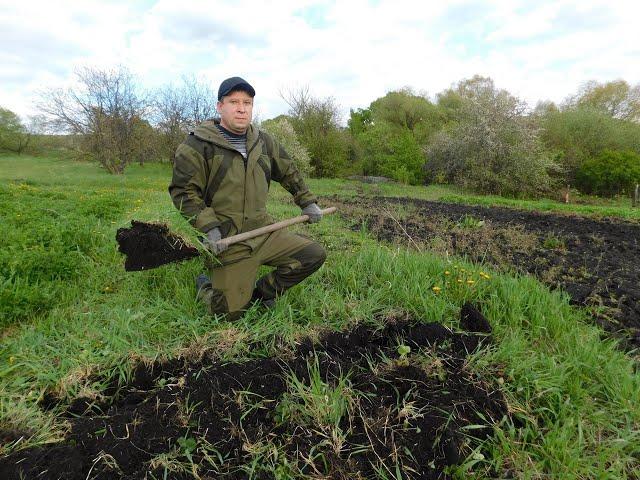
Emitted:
pixel 317 404
pixel 72 319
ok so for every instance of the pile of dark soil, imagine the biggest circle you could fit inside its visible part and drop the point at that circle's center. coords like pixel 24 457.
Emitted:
pixel 229 420
pixel 149 245
pixel 597 262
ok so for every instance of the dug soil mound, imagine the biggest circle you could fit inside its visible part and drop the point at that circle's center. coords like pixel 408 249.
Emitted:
pixel 597 262
pixel 365 403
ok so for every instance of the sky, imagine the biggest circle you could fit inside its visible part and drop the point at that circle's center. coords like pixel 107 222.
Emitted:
pixel 353 51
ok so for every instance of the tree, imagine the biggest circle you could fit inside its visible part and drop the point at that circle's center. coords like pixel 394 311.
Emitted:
pixel 282 130
pixel 104 111
pixel 617 99
pixel 317 124
pixel 449 103
pixel 177 110
pixel 404 110
pixel 14 136
pixel 392 153
pixel 392 133
pixel 359 120
pixel 492 146
pixel 610 173
pixel 577 134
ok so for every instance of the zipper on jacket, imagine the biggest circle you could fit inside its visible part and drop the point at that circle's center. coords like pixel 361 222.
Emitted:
pixel 246 172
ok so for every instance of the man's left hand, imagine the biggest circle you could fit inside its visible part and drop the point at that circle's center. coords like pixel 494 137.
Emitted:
pixel 313 211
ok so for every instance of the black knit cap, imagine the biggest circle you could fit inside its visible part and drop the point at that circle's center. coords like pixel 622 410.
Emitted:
pixel 235 83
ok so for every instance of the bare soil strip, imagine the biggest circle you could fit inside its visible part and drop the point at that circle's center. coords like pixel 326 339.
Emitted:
pixel 597 262
pixel 400 410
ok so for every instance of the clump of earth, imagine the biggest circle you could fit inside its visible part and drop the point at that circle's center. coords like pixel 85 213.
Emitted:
pixel 150 245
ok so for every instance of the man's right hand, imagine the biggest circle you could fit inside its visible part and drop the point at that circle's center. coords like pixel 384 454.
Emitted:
pixel 211 241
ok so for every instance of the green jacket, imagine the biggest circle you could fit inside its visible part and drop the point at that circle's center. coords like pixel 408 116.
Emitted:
pixel 212 188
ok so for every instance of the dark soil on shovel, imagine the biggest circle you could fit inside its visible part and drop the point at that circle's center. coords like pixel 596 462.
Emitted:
pixel 150 245
pixel 397 410
pixel 596 261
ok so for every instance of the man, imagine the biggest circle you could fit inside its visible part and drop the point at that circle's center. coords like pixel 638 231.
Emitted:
pixel 221 177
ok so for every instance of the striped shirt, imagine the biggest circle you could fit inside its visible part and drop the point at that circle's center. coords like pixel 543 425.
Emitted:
pixel 239 142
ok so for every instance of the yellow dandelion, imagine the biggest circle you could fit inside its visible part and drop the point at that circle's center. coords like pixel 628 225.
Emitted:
pixel 447 272
pixel 471 282
pixel 459 280
pixel 436 289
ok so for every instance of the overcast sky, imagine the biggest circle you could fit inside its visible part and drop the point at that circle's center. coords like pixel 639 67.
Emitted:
pixel 353 51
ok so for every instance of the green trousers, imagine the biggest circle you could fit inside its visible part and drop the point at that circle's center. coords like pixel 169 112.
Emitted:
pixel 233 282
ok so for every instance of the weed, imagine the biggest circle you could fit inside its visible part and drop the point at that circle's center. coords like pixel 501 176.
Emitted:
pixel 316 403
pixel 469 222
pixel 185 411
pixel 553 242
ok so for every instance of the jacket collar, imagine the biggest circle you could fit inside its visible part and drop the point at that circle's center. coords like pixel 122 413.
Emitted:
pixel 208 132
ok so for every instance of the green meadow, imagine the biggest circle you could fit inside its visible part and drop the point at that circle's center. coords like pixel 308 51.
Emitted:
pixel 72 320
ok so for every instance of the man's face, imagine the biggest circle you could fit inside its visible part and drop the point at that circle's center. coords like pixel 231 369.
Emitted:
pixel 235 111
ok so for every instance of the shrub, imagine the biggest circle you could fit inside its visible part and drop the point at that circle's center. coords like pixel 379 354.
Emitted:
pixel 392 152
pixel 491 146
pixel 282 131
pixel 610 173
pixel 577 135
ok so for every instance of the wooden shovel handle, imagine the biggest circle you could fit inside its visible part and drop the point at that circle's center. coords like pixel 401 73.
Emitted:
pixel 240 237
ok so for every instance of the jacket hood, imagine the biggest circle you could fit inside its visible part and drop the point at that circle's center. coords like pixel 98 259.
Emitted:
pixel 208 132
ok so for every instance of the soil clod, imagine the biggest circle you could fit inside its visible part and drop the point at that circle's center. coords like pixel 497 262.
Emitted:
pixel 150 245
pixel 472 320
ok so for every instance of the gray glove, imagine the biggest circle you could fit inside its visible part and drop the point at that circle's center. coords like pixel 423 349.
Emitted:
pixel 314 212
pixel 210 241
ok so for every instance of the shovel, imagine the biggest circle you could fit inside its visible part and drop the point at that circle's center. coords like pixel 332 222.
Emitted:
pixel 150 245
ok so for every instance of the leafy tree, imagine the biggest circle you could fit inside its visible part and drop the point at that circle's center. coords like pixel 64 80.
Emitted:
pixel 14 136
pixel 578 134
pixel 282 130
pixel 492 146
pixel 391 135
pixel 617 99
pixel 610 173
pixel 317 124
pixel 404 110
pixel 359 120
pixel 449 103
pixel 393 153
pixel 545 107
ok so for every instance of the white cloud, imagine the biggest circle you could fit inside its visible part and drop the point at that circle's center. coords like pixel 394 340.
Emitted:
pixel 353 51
